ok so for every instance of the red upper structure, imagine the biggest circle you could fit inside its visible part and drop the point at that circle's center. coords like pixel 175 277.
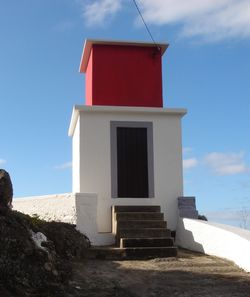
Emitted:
pixel 120 73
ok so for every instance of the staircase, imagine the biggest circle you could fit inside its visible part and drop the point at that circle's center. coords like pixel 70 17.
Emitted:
pixel 141 232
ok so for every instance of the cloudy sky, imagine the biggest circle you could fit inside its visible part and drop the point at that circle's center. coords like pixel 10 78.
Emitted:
pixel 206 70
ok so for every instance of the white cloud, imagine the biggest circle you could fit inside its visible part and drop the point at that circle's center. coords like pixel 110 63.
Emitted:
pixel 2 161
pixel 169 11
pixel 190 163
pixel 210 20
pixel 98 11
pixel 226 163
pixel 64 166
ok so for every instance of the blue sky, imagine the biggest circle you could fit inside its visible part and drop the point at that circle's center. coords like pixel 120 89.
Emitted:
pixel 206 70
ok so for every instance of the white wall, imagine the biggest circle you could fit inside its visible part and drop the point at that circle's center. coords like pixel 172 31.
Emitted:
pixel 76 159
pixel 73 208
pixel 95 157
pixel 59 207
pixel 215 239
pixel 86 212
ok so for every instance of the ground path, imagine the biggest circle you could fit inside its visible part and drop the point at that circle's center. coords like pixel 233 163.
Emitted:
pixel 188 275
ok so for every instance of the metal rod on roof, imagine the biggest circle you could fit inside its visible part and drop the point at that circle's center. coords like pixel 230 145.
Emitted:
pixel 144 22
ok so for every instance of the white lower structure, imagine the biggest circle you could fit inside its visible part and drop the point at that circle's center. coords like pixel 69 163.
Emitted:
pixel 81 209
pixel 95 132
pixel 215 239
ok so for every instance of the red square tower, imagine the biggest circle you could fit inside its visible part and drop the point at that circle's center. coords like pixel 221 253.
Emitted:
pixel 123 73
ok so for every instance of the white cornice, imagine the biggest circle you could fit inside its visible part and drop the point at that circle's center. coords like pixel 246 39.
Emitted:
pixel 121 109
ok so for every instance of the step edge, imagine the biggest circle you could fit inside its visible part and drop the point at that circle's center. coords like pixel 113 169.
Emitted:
pixel 153 229
pixel 150 238
pixel 150 248
pixel 138 212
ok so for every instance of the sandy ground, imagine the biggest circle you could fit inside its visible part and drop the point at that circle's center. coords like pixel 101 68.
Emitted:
pixel 190 274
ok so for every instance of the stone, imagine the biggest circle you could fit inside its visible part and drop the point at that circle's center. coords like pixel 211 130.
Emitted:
pixel 188 213
pixel 186 202
pixel 55 272
pixel 187 207
pixel 202 217
pixel 6 189
pixel 48 266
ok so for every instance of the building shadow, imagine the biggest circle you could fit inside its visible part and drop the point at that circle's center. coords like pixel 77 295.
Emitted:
pixel 185 239
pixel 189 275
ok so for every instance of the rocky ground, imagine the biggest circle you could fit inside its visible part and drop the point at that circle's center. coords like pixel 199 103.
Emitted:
pixel 59 268
pixel 29 267
pixel 189 275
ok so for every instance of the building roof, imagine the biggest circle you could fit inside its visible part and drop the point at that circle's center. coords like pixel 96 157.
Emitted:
pixel 90 42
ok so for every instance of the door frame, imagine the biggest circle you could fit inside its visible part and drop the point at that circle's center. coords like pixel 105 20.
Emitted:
pixel 150 150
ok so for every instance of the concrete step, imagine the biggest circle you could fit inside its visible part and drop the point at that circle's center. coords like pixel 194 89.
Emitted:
pixel 141 224
pixel 146 242
pixel 138 216
pixel 113 253
pixel 150 252
pixel 106 253
pixel 136 208
pixel 142 233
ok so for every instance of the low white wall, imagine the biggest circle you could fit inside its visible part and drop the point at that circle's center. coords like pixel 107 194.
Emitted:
pixel 86 222
pixel 74 208
pixel 60 207
pixel 215 239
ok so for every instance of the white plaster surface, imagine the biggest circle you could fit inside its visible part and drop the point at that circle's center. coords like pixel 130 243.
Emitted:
pixel 76 159
pixel 60 207
pixel 73 208
pixel 86 222
pixel 90 130
pixel 215 239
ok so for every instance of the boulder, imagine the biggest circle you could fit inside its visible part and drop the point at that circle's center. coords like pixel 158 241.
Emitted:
pixel 6 189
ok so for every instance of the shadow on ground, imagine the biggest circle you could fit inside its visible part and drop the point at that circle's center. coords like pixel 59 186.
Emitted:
pixel 188 275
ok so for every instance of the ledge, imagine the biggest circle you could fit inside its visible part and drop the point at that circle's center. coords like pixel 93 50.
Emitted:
pixel 121 109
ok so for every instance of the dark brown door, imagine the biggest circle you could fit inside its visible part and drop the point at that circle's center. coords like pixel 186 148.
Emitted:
pixel 132 162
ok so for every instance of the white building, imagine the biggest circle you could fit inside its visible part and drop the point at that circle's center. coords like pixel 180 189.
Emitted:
pixel 127 148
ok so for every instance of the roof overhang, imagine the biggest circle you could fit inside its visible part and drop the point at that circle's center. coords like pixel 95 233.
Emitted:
pixel 90 42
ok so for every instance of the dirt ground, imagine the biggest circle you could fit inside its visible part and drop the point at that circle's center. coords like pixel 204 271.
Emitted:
pixel 188 275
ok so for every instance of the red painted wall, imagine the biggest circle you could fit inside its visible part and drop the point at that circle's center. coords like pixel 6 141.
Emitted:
pixel 124 76
pixel 89 80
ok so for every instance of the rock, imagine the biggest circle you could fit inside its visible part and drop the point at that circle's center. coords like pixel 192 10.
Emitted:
pixel 202 217
pixel 38 238
pixel 28 269
pixel 68 242
pixel 48 266
pixel 55 272
pixel 6 189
